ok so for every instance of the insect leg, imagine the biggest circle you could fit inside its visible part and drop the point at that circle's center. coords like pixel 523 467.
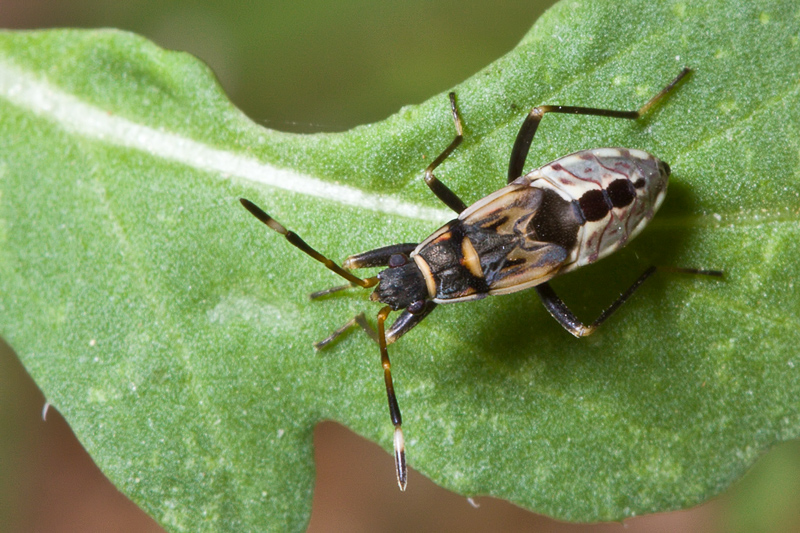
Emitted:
pixel 519 152
pixel 559 310
pixel 358 320
pixel 373 258
pixel 406 321
pixel 402 325
pixel 440 189
pixel 330 290
pixel 394 409
pixel 295 240
pixel 378 257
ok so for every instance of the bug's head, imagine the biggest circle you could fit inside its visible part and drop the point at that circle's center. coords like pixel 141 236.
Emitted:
pixel 401 285
pixel 651 184
pixel 650 177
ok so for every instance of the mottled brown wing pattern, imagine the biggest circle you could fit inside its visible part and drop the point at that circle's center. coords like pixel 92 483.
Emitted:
pixel 502 230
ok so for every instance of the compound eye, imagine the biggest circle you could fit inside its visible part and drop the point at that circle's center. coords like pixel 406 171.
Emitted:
pixel 397 260
pixel 417 307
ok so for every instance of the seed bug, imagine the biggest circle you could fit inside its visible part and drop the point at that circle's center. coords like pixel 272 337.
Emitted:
pixel 561 216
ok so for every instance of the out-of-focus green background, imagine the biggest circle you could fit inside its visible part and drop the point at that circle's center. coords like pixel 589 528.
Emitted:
pixel 307 66
pixel 317 65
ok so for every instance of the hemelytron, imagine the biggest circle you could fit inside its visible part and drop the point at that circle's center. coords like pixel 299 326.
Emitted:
pixel 561 216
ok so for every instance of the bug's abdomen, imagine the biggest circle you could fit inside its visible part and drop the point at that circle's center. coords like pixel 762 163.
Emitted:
pixel 615 191
pixel 566 214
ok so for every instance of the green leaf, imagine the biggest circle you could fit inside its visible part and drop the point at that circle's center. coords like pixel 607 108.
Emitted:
pixel 174 332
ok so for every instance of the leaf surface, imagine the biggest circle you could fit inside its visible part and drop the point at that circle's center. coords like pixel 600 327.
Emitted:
pixel 174 332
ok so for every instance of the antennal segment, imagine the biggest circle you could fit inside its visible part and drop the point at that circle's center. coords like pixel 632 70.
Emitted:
pixel 296 241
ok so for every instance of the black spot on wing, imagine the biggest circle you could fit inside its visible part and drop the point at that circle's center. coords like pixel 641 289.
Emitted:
pixel 595 205
pixel 621 192
pixel 557 220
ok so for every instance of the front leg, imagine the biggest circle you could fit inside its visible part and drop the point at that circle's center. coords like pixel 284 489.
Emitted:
pixel 378 257
pixel 407 320
pixel 359 320
pixel 402 325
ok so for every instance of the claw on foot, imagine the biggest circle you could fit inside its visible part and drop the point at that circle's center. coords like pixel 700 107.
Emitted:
pixel 400 458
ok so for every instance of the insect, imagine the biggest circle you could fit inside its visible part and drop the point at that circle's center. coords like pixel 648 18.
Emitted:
pixel 559 217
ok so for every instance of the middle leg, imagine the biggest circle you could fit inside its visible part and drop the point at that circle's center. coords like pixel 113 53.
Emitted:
pixel 440 189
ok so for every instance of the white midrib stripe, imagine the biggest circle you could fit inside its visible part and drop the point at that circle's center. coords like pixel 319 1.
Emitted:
pixel 25 90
